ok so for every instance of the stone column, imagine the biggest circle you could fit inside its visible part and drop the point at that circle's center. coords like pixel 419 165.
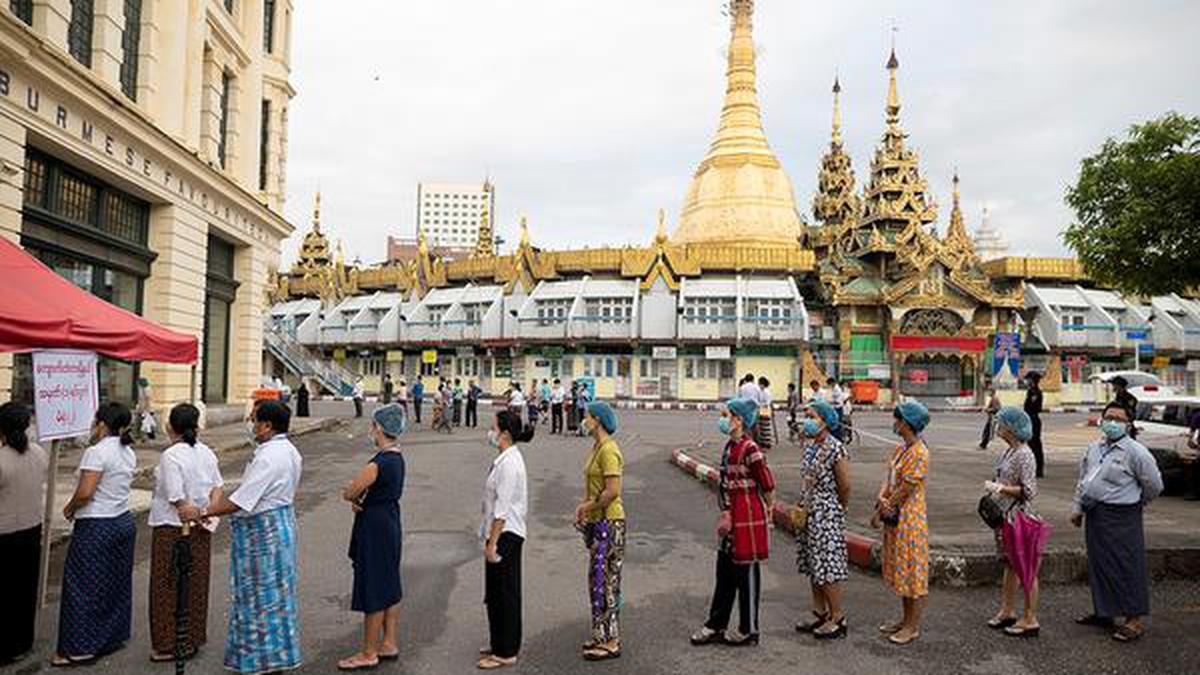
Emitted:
pixel 174 293
pixel 246 318
pixel 50 20
pixel 12 181
pixel 107 31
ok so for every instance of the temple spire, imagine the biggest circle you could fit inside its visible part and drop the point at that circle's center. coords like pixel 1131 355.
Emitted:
pixel 957 232
pixel 317 213
pixel 837 111
pixel 836 202
pixel 893 98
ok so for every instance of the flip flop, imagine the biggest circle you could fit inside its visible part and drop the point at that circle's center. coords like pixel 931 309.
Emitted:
pixel 394 656
pixel 73 661
pixel 1019 632
pixel 1127 634
pixel 889 628
pixel 903 641
pixel 494 662
pixel 1001 624
pixel 601 653
pixel 344 666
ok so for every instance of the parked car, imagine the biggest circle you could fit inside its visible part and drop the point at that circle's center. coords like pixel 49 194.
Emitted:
pixel 1142 385
pixel 1162 425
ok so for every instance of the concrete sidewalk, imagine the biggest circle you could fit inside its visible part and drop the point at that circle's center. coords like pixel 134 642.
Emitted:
pixel 963 550
pixel 222 439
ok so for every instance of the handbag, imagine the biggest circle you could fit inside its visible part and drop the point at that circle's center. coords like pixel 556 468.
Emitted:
pixel 799 516
pixel 991 512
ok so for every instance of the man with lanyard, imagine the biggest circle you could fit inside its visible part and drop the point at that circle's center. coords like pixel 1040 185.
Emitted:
pixel 264 626
pixel 1117 477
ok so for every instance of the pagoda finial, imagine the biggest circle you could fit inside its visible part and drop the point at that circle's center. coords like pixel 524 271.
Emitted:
pixel 524 231
pixel 957 233
pixel 893 98
pixel 837 110
pixel 317 213
pixel 660 235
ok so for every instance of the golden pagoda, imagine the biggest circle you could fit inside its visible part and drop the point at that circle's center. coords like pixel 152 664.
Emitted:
pixel 314 250
pixel 836 206
pixel 739 193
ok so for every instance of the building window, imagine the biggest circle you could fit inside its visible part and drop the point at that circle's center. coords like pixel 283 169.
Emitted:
pixel 229 6
pixel 55 189
pixel 130 39
pixel 223 128
pixel 23 9
pixel 710 310
pixel 268 26
pixel 264 140
pixel 79 32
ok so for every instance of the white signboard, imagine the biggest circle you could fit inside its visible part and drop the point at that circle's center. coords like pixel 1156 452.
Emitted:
pixel 718 352
pixel 64 392
pixel 879 372
pixel 664 352
pixel 1193 365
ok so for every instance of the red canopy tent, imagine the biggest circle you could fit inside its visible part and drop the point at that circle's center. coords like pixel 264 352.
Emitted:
pixel 41 310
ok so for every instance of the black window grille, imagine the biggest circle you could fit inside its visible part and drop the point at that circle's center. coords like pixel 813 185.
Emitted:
pixel 223 129
pixel 264 141
pixel 23 9
pixel 268 26
pixel 35 181
pixel 56 189
pixel 79 33
pixel 130 40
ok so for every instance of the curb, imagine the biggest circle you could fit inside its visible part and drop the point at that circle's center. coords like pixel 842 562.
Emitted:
pixel 961 568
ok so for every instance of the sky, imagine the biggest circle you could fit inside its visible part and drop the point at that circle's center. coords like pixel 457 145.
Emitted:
pixel 591 116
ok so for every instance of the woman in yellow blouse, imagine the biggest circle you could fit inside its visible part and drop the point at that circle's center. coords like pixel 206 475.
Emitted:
pixel 900 510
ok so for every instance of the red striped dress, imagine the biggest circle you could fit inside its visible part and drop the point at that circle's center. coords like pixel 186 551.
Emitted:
pixel 745 479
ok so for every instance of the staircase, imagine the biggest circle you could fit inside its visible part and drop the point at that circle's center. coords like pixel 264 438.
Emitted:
pixel 301 361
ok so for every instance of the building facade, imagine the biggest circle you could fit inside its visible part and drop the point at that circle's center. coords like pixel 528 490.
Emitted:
pixel 451 215
pixel 143 155
pixel 869 291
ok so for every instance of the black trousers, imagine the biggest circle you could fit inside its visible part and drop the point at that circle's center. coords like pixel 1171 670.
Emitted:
pixel 1035 444
pixel 19 567
pixel 358 405
pixel 986 439
pixel 472 413
pixel 742 582
pixel 458 413
pixel 502 595
pixel 556 418
pixel 417 405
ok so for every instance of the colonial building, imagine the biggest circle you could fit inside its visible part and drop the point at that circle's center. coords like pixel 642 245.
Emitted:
pixel 868 292
pixel 143 153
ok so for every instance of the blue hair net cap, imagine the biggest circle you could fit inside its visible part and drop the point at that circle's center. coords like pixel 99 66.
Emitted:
pixel 915 414
pixel 391 419
pixel 1017 421
pixel 604 414
pixel 745 409
pixel 827 413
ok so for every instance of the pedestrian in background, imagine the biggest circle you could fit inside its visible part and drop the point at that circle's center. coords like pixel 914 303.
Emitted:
pixel 359 395
pixel 186 480
pixel 544 395
pixel 302 395
pixel 402 397
pixel 97 587
pixel 456 398
pixel 1117 478
pixel 572 410
pixel 900 510
pixel 1033 408
pixel 748 388
pixel 583 396
pixel 558 397
pixel 991 406
pixel 1015 488
pixel 376 541
pixel 264 622
pixel 22 495
pixel 502 529
pixel 746 496
pixel 764 430
pixel 388 388
pixel 418 397
pixel 821 540
pixel 601 518
pixel 1126 400
pixel 473 392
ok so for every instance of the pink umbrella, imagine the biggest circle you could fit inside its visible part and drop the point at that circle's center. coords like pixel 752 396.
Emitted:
pixel 1024 541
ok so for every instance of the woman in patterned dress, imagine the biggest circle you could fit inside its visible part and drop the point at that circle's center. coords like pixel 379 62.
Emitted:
pixel 900 510
pixel 1015 486
pixel 821 543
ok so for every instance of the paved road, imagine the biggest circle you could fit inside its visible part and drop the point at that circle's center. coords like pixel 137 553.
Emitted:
pixel 668 577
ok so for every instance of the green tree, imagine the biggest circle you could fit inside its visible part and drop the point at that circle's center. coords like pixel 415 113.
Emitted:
pixel 1138 205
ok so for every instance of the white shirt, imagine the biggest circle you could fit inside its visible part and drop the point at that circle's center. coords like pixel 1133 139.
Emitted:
pixel 504 494
pixel 751 391
pixel 270 479
pixel 22 487
pixel 837 396
pixel 517 399
pixel 184 473
pixel 558 395
pixel 115 463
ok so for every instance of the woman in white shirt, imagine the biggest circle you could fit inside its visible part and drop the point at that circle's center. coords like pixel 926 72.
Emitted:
pixel 505 503
pixel 186 481
pixel 97 587
pixel 22 481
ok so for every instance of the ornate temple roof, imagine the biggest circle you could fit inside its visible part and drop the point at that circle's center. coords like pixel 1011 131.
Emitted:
pixel 836 203
pixel 740 193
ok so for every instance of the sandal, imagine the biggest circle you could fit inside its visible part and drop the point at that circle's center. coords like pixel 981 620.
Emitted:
pixel 707 636
pixel 1023 631
pixel 1127 634
pixel 493 662
pixel 60 661
pixel 357 662
pixel 997 623
pixel 889 628
pixel 812 626
pixel 601 653
pixel 903 640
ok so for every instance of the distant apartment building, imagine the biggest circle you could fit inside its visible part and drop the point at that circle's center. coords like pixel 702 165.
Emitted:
pixel 450 214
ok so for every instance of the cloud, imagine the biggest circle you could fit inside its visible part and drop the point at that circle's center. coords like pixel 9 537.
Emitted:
pixel 589 116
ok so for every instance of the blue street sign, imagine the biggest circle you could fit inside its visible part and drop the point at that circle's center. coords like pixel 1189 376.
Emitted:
pixel 1135 334
pixel 1146 348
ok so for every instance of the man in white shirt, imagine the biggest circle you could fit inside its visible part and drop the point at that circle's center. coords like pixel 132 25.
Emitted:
pixel 749 389
pixel 505 505
pixel 264 627
pixel 558 396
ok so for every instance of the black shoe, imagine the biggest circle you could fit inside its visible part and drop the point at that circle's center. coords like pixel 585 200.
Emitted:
pixel 1093 620
pixel 840 632
pixel 810 626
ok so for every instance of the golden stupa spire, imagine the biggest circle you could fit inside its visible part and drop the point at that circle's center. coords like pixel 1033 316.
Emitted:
pixel 317 213
pixel 835 202
pixel 524 231
pixel 739 193
pixel 485 246
pixel 837 111
pixel 893 98
pixel 957 233
pixel 660 234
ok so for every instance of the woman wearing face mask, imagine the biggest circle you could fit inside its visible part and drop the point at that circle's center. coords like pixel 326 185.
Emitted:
pixel 1117 477
pixel 601 518
pixel 900 510
pixel 505 503
pixel 1015 486
pixel 821 542
pixel 376 540
pixel 746 495
pixel 97 587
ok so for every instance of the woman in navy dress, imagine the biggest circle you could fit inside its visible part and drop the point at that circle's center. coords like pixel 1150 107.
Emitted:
pixel 375 541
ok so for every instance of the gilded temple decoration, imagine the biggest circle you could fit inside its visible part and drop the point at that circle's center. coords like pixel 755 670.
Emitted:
pixel 836 207
pixel 740 192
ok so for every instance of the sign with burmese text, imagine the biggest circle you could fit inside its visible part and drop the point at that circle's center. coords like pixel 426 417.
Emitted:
pixel 65 395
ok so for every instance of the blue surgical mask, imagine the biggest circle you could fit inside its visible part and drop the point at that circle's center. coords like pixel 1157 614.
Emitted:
pixel 811 428
pixel 725 426
pixel 493 438
pixel 1113 430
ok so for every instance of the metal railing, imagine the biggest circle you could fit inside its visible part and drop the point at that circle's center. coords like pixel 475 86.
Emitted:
pixel 301 361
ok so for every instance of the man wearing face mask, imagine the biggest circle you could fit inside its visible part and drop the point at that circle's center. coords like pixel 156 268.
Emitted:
pixel 1117 477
